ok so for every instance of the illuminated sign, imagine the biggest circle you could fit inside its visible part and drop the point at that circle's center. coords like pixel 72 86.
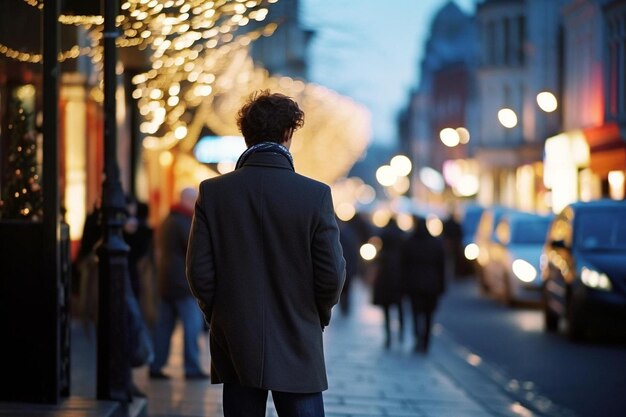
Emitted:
pixel 216 149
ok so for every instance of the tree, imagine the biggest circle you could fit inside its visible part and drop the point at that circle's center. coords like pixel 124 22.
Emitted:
pixel 22 196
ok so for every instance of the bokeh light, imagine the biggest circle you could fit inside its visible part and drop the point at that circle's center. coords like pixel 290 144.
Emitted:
pixel 401 165
pixel 507 118
pixel 345 211
pixel 368 251
pixel 547 101
pixel 434 225
pixel 381 217
pixel 464 135
pixel 449 137
pixel 386 175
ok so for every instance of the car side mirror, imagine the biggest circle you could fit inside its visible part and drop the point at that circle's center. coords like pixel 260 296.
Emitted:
pixel 558 244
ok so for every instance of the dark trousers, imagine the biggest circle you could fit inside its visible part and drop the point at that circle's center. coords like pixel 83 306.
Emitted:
pixel 241 401
pixel 387 311
pixel 422 309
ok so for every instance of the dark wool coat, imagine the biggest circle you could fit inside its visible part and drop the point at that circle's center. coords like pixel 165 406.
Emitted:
pixel 388 287
pixel 266 266
pixel 423 263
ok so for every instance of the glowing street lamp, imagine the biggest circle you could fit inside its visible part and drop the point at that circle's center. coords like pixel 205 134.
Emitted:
pixel 368 251
pixel 464 135
pixel 386 175
pixel 547 101
pixel 401 165
pixel 507 118
pixel 449 137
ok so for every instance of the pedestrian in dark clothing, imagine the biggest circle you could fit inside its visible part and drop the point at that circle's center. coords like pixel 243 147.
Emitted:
pixel 453 236
pixel 86 266
pixel 141 351
pixel 138 235
pixel 423 263
pixel 388 290
pixel 266 266
pixel 350 244
pixel 176 300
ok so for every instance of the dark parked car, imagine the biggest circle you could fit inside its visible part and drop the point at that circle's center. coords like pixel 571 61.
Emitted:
pixel 584 268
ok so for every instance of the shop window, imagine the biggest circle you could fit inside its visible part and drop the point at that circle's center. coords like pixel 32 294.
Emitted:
pixel 21 194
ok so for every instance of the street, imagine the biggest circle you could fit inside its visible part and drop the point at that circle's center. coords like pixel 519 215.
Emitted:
pixel 586 379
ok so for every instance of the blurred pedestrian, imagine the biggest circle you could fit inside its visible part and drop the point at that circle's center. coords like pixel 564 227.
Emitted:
pixel 266 266
pixel 141 351
pixel 453 237
pixel 176 300
pixel 350 244
pixel 86 267
pixel 387 290
pixel 423 264
pixel 140 238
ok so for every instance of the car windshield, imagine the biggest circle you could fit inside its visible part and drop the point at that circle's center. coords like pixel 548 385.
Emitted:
pixel 532 231
pixel 601 229
pixel 470 221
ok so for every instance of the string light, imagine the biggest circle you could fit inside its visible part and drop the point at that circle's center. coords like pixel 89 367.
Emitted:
pixel 139 17
pixel 201 72
pixel 35 3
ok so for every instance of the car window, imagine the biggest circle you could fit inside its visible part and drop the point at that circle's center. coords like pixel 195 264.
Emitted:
pixel 470 221
pixel 608 233
pixel 529 231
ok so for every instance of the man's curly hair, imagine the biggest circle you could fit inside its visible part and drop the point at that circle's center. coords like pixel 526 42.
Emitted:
pixel 267 117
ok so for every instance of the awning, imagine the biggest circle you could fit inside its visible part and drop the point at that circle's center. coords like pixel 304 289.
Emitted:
pixel 607 148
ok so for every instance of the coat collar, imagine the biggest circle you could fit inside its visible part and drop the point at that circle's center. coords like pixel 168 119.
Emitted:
pixel 268 159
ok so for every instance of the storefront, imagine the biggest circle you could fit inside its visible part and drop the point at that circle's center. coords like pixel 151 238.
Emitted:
pixel 607 151
pixel 584 165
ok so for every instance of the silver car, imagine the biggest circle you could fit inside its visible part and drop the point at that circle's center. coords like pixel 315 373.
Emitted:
pixel 512 270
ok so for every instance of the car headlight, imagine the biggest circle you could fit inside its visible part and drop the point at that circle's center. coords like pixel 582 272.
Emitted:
pixel 594 279
pixel 524 271
pixel 471 251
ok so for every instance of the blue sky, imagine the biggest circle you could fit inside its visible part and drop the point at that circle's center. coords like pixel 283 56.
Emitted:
pixel 370 50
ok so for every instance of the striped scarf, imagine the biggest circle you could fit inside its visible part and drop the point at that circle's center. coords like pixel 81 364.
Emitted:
pixel 273 147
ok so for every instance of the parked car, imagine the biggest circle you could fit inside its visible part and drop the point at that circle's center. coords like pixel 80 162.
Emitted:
pixel 484 240
pixel 512 270
pixel 584 268
pixel 469 223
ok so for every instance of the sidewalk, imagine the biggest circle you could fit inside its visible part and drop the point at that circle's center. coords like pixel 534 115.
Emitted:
pixel 364 378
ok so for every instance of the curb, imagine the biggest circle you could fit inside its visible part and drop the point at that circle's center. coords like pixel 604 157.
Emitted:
pixel 489 385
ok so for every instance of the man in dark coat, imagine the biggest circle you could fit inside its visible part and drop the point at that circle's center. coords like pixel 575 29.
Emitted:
pixel 266 267
pixel 423 262
pixel 388 289
pixel 176 300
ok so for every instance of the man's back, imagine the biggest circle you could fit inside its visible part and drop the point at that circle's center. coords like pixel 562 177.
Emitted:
pixel 272 250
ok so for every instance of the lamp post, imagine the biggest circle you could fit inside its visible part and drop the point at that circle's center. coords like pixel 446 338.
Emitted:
pixel 51 212
pixel 114 371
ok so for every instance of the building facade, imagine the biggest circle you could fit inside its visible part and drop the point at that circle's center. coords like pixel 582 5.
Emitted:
pixel 519 60
pixel 444 99
pixel 587 159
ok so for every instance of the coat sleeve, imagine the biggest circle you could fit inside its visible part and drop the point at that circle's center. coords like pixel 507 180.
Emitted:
pixel 200 264
pixel 329 266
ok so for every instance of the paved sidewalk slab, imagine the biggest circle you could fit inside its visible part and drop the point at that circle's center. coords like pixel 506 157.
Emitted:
pixel 365 379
